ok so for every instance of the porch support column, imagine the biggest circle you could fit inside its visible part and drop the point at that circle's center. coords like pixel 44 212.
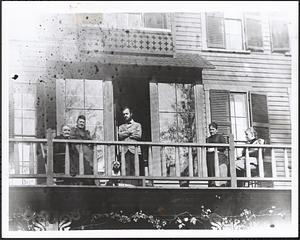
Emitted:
pixel 109 153
pixel 154 112
pixel 200 127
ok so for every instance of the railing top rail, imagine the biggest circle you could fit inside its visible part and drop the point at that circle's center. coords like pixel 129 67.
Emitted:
pixel 28 140
pixel 169 144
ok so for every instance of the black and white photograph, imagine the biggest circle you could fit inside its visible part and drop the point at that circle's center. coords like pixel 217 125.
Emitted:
pixel 149 119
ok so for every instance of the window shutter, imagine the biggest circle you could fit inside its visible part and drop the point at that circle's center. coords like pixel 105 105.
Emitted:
pixel 259 115
pixel 220 110
pixel 280 36
pixel 254 38
pixel 215 30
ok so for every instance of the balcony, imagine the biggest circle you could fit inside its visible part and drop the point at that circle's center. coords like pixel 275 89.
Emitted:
pixel 126 41
pixel 113 150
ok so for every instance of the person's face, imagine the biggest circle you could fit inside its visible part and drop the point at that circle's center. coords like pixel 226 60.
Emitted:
pixel 66 131
pixel 249 135
pixel 81 123
pixel 127 115
pixel 212 130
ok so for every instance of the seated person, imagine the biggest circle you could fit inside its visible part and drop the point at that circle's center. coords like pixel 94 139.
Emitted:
pixel 251 136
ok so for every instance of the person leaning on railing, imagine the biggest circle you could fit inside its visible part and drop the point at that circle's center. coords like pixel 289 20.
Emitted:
pixel 251 136
pixel 216 137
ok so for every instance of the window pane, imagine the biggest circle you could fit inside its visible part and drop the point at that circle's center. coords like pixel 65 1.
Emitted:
pixel 241 126
pixel 239 102
pixel 168 127
pixel 93 94
pixel 233 30
pixel 134 20
pixel 74 93
pixel 28 122
pixel 155 20
pixel 94 123
pixel 167 99
pixel 186 127
pixel 29 100
pixel 185 98
pixel 18 122
pixel 109 20
pixel 18 100
pixel 71 116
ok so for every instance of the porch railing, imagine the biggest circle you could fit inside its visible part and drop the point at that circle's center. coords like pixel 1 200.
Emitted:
pixel 194 156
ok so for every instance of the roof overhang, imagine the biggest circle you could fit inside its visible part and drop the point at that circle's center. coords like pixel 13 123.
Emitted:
pixel 179 60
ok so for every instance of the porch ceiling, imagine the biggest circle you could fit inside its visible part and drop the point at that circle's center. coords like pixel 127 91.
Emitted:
pixel 179 60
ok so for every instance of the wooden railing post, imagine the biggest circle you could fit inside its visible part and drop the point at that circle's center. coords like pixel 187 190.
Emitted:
pixel 49 169
pixel 232 161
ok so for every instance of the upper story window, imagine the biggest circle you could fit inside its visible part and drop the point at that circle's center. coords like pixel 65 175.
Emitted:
pixel 127 20
pixel 279 34
pixel 233 31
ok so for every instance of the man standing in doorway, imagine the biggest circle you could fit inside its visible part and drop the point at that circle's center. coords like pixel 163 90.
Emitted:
pixel 130 131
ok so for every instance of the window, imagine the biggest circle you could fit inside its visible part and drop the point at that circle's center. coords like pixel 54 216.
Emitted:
pixel 230 111
pixel 81 96
pixel 127 20
pixel 177 120
pixel 226 31
pixel 24 126
pixel 280 35
pixel 239 115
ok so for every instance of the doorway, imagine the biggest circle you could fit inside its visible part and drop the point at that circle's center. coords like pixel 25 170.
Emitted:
pixel 134 93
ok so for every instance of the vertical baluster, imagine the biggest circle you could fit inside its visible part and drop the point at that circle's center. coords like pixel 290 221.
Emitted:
pixel 273 162
pixel 31 159
pixel 150 161
pixel 164 163
pixel 216 158
pixel 247 163
pixel 49 170
pixel 81 161
pixel 232 161
pixel 191 167
pixel 201 156
pixel 67 160
pixel 177 162
pixel 35 158
pixel 260 163
pixel 136 162
pixel 123 169
pixel 16 158
pixel 95 161
pixel 286 162
pixel 110 159
pixel 204 164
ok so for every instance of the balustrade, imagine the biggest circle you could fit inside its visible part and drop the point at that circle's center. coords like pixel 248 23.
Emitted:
pixel 194 155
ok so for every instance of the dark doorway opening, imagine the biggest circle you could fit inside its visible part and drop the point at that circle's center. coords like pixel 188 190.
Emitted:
pixel 134 93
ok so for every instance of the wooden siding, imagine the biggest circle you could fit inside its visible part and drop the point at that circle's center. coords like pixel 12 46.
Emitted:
pixel 263 72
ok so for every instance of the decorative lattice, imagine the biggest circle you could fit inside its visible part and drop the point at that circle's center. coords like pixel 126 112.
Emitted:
pixel 132 41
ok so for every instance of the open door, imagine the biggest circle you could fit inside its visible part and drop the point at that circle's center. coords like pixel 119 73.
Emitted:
pixel 134 93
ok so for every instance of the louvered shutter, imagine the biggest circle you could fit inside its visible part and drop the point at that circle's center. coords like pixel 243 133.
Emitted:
pixel 253 29
pixel 259 115
pixel 220 109
pixel 215 30
pixel 280 36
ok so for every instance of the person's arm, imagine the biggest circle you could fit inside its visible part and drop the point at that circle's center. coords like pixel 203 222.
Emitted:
pixel 136 133
pixel 221 139
pixel 123 133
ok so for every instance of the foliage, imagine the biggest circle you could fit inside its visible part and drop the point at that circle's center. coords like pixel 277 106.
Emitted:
pixel 27 220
